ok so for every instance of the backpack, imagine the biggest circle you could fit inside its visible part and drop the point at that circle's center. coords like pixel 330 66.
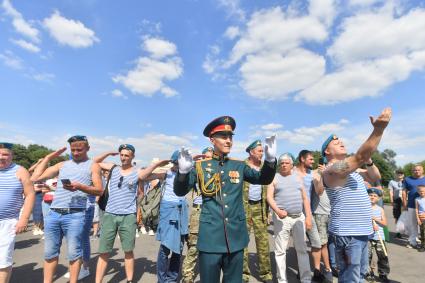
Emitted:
pixel 150 206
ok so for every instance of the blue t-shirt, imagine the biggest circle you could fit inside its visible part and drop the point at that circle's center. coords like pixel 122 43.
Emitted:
pixel 410 184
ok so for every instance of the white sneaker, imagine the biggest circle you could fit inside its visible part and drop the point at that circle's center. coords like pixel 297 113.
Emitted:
pixel 84 272
pixel 143 230
pixel 66 275
pixel 35 231
pixel 151 233
pixel 40 232
pixel 137 234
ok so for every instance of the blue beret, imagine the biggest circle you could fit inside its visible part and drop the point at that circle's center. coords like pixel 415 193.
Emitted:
pixel 207 149
pixel 286 155
pixel 7 145
pixel 220 124
pixel 253 145
pixel 175 156
pixel 325 146
pixel 127 146
pixel 77 138
pixel 374 191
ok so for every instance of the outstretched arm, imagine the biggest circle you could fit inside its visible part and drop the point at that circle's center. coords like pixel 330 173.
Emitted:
pixel 145 173
pixel 335 174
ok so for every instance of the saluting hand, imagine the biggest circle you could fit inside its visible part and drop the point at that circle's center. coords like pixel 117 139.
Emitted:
pixel 270 148
pixel 185 161
pixel 56 153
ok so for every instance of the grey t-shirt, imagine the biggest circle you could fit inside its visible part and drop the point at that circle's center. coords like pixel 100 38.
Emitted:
pixel 396 188
pixel 320 204
pixel 287 193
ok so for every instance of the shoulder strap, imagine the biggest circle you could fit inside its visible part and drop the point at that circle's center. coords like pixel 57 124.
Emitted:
pixel 109 177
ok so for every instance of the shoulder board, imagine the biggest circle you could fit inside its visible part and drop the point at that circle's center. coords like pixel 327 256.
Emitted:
pixel 235 159
pixel 203 160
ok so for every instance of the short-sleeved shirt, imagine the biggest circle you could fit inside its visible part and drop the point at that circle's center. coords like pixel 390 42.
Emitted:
pixel 410 185
pixel 377 212
pixel 396 187
pixel 421 204
pixel 351 211
pixel 320 204
pixel 122 192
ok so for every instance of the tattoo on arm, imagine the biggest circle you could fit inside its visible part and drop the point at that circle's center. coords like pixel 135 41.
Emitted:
pixel 340 167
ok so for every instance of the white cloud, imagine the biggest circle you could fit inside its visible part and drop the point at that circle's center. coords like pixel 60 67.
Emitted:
pixel 11 60
pixel 233 9
pixel 43 77
pixel 150 73
pixel 159 48
pixel 69 32
pixel 303 135
pixel 118 93
pixel 317 60
pixel 271 126
pixel 261 36
pixel 26 45
pixel 275 76
pixel 19 23
pixel 232 32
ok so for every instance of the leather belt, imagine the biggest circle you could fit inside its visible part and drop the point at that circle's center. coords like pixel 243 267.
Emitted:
pixel 67 210
pixel 254 201
pixel 197 205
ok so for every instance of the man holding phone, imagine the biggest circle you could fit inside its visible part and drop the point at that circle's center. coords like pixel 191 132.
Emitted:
pixel 78 178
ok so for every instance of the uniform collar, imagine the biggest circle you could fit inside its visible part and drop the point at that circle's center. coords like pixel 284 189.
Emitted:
pixel 220 158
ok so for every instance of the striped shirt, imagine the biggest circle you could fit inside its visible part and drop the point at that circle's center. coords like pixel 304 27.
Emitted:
pixel 168 188
pixel 287 193
pixel 122 192
pixel 11 190
pixel 377 212
pixel 421 204
pixel 350 208
pixel 75 172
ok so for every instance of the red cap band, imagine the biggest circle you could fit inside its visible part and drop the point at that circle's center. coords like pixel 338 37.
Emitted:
pixel 221 128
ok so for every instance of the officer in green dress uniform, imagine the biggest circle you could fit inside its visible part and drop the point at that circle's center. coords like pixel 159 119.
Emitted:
pixel 223 233
pixel 256 209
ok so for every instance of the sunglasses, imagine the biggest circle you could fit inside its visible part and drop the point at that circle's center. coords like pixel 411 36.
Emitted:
pixel 120 182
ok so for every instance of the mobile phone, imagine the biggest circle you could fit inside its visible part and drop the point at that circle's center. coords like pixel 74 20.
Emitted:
pixel 66 182
pixel 321 161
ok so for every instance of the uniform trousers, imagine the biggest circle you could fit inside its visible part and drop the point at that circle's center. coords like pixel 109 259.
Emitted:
pixel 211 265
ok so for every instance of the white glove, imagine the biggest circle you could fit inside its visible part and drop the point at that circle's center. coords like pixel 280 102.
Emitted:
pixel 185 161
pixel 270 148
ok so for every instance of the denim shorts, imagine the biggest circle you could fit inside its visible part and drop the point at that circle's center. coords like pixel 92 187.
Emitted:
pixel 59 225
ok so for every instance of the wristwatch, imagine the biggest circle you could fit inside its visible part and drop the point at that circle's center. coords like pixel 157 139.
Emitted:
pixel 369 164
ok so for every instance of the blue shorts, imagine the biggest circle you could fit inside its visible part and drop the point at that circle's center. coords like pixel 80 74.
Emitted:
pixel 59 225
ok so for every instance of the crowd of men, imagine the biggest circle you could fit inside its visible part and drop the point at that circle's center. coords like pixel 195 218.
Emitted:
pixel 331 208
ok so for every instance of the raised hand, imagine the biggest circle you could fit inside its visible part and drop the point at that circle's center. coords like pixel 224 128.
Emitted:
pixel 381 122
pixel 163 162
pixel 185 161
pixel 56 153
pixel 270 148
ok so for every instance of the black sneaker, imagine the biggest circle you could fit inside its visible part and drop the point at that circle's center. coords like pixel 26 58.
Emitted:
pixel 335 272
pixel 318 276
pixel 421 249
pixel 398 236
pixel 383 278
pixel 370 277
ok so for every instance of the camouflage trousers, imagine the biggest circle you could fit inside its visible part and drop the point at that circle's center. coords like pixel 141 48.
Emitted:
pixel 189 263
pixel 255 219
pixel 383 264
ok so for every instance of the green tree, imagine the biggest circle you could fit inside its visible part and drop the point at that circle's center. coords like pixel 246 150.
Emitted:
pixel 27 156
pixel 385 168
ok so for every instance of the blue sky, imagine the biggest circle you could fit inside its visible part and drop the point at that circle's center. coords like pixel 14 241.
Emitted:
pixel 154 73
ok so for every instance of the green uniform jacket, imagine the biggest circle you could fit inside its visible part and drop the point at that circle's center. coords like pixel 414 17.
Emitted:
pixel 222 224
pixel 264 204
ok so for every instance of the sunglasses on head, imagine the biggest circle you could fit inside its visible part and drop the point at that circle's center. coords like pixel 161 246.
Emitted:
pixel 77 138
